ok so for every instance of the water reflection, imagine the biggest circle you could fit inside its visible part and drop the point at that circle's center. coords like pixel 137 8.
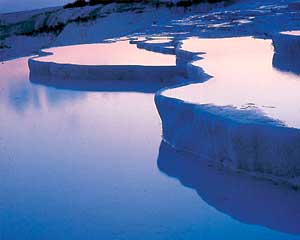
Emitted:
pixel 15 90
pixel 112 53
pixel 21 96
pixel 244 198
pixel 143 86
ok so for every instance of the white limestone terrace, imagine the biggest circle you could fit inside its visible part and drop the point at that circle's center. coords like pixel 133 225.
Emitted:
pixel 245 104
pixel 287 51
pixel 245 117
pixel 241 118
pixel 243 77
pixel 104 61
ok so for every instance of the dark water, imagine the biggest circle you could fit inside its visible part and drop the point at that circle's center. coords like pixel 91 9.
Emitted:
pixel 90 165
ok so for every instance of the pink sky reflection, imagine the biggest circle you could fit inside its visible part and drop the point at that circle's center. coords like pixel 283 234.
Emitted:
pixel 116 53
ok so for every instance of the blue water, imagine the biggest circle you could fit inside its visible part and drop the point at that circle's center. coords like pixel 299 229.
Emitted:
pixel 91 165
pixel 15 6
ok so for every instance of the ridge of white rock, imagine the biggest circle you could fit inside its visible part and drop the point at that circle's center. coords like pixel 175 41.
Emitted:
pixel 287 51
pixel 91 62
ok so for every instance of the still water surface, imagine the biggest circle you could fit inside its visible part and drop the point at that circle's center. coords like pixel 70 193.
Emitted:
pixel 90 165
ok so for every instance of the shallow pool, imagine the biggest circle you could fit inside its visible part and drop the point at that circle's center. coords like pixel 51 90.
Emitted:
pixel 115 53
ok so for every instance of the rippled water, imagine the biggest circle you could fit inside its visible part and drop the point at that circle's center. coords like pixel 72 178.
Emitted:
pixel 90 165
